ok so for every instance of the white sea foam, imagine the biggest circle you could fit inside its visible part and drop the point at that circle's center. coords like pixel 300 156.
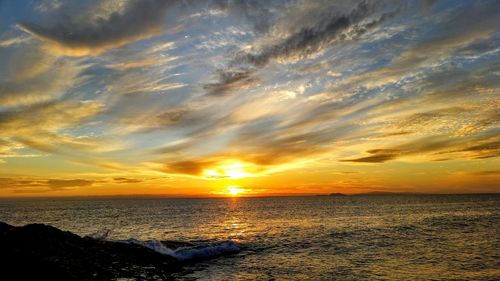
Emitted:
pixel 189 253
pixel 211 251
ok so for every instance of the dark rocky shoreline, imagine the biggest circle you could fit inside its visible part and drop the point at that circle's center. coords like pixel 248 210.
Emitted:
pixel 42 252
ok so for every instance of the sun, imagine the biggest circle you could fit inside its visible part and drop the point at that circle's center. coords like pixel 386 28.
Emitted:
pixel 234 190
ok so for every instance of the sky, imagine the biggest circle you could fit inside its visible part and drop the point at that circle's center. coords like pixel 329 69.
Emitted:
pixel 248 98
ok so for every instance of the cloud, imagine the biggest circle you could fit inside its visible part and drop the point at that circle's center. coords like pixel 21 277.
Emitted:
pixel 259 144
pixel 460 29
pixel 43 185
pixel 190 120
pixel 173 116
pixel 137 82
pixel 419 146
pixel 484 146
pixel 484 150
pixel 128 59
pixel 260 13
pixel 487 173
pixel 435 146
pixel 41 127
pixel 126 180
pixel 15 182
pixel 140 63
pixel 35 76
pixel 78 37
pixel 58 184
pixel 40 89
pixel 266 133
pixel 380 156
pixel 230 81
pixel 46 117
pixel 11 149
pixel 331 28
pixel 48 5
pixel 428 4
pixel 13 41
pixel 189 167
pixel 321 84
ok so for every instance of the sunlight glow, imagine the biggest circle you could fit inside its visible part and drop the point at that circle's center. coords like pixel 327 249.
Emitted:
pixel 236 173
pixel 234 190
pixel 211 174
pixel 232 170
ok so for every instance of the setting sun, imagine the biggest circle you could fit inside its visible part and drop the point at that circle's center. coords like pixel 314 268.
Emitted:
pixel 234 190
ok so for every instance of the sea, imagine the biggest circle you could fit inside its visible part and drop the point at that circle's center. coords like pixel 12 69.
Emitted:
pixel 383 237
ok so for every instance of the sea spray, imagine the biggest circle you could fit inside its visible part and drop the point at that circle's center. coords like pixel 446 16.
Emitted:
pixel 189 253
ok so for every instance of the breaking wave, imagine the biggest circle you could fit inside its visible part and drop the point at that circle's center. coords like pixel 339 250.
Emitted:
pixel 189 253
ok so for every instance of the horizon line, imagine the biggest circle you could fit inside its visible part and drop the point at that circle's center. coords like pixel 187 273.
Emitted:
pixel 181 196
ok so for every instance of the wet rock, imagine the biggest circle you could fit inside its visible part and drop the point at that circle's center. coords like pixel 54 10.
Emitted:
pixel 42 252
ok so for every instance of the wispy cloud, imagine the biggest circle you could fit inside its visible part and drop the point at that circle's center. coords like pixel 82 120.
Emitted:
pixel 189 88
pixel 43 185
pixel 331 28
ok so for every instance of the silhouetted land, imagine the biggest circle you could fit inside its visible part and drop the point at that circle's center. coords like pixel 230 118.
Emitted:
pixel 337 194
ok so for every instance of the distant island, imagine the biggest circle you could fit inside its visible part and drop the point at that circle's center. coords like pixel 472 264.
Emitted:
pixel 389 193
pixel 337 194
pixel 371 193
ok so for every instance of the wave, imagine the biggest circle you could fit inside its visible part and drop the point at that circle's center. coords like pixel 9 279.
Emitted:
pixel 194 253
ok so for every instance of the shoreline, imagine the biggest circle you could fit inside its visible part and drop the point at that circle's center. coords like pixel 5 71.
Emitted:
pixel 50 253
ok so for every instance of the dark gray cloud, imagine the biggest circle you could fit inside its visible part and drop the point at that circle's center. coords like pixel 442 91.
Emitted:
pixel 230 81
pixel 330 29
pixel 139 19
pixel 76 29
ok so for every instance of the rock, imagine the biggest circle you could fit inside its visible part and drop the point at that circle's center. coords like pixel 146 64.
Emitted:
pixel 42 252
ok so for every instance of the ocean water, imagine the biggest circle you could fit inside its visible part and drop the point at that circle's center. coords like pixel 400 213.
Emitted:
pixel 404 237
